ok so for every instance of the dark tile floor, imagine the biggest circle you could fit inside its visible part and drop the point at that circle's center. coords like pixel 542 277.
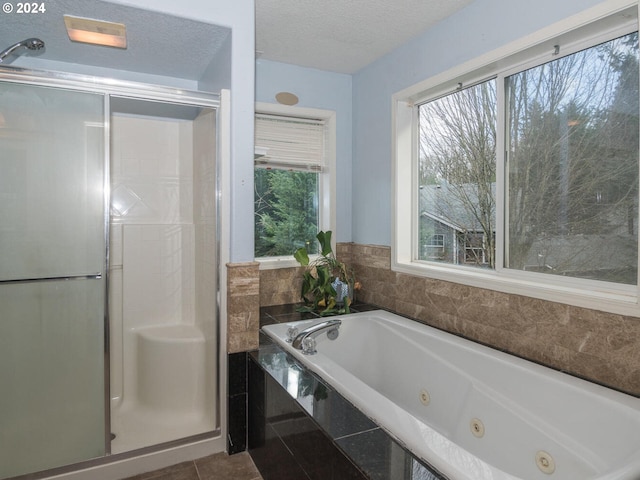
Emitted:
pixel 215 467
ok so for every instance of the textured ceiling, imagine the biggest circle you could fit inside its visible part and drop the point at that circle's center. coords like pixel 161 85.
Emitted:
pixel 334 35
pixel 157 44
pixel 342 35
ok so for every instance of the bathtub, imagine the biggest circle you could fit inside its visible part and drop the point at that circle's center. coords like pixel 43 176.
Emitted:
pixel 472 412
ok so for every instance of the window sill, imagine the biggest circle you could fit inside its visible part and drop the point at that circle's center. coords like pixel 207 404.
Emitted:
pixel 272 263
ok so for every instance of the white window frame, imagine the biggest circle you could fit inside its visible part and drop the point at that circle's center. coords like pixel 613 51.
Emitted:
pixel 326 178
pixel 600 23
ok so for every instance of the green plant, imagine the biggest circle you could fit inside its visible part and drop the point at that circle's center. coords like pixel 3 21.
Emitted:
pixel 318 293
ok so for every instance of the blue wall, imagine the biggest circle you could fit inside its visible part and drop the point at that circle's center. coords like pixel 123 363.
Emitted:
pixel 324 90
pixel 362 101
pixel 479 28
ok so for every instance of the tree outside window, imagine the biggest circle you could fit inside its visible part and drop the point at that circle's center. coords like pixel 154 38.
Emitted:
pixel 286 211
pixel 571 202
pixel 457 169
pixel 573 164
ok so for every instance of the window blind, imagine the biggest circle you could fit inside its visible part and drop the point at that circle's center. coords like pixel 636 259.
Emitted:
pixel 289 143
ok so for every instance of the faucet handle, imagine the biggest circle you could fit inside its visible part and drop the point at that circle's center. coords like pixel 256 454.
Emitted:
pixel 309 346
pixel 292 332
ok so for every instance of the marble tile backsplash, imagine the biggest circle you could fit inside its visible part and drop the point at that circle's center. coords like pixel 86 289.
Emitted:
pixel 595 345
pixel 598 346
pixel 243 306
pixel 280 286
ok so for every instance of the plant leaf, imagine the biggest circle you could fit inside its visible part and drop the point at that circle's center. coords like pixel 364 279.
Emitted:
pixel 324 238
pixel 308 287
pixel 324 276
pixel 302 256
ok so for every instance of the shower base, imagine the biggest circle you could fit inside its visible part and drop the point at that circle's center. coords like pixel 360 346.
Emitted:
pixel 168 397
pixel 136 428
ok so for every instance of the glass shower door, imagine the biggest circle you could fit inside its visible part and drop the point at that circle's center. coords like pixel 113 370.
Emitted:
pixel 52 286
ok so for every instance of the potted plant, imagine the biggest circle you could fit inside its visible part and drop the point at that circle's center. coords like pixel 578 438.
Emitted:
pixel 327 284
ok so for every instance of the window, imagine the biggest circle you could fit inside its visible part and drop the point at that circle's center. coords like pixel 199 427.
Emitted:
pixel 436 241
pixel 457 170
pixel 434 247
pixel 294 168
pixel 528 172
pixel 572 134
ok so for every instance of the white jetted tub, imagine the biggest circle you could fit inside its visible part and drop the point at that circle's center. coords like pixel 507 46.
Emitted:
pixel 472 412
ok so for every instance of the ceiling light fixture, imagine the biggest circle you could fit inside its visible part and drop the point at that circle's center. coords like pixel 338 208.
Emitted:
pixel 96 32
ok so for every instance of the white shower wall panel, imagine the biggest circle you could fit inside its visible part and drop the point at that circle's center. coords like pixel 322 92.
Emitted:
pixel 152 216
pixel 152 262
pixel 152 171
pixel 158 275
pixel 163 278
pixel 204 216
pixel 150 146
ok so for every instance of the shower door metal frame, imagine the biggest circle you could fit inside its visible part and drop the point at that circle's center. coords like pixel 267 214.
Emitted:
pixel 112 87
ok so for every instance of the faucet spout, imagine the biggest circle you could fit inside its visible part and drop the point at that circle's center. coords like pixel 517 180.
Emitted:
pixel 311 332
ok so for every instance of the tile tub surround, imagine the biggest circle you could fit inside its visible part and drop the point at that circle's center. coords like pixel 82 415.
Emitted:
pixel 237 403
pixel 288 313
pixel 282 286
pixel 243 312
pixel 598 346
pixel 300 428
pixel 243 306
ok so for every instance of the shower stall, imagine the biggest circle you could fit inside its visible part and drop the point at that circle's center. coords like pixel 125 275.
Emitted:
pixel 109 332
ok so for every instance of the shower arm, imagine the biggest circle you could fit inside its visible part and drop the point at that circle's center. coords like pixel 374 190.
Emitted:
pixel 29 43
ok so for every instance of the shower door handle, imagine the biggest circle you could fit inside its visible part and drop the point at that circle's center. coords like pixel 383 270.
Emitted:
pixel 91 276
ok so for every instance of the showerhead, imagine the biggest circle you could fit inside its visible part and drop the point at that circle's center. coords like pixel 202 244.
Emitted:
pixel 33 43
pixel 29 43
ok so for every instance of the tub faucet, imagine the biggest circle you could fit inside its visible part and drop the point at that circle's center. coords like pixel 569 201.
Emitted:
pixel 305 340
